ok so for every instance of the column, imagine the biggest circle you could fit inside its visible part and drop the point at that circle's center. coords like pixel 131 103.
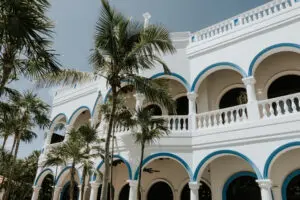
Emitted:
pixel 94 190
pixel 265 188
pixel 194 189
pixel 192 96
pixel 139 100
pixel 56 194
pixel 79 193
pixel 252 105
pixel 35 194
pixel 133 189
pixel 68 129
pixel 147 17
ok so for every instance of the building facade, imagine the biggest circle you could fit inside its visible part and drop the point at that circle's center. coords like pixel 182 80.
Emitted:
pixel 236 134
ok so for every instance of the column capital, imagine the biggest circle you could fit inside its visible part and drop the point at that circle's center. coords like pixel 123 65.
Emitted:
pixel 194 185
pixel 36 188
pixel 95 185
pixel 192 96
pixel 132 183
pixel 57 188
pixel 264 183
pixel 249 80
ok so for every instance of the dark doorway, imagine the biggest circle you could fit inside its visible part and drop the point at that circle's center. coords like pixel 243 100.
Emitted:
pixel 293 189
pixel 65 194
pixel 243 187
pixel 47 187
pixel 100 190
pixel 182 106
pixel 284 85
pixel 233 97
pixel 160 191
pixel 124 193
pixel 155 109
pixel 58 133
pixel 204 192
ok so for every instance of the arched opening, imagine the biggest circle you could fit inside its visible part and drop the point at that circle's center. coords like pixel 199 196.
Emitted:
pixel 233 97
pixel 243 187
pixel 45 192
pixel 65 194
pixel 182 106
pixel 82 119
pixel 293 189
pixel 160 191
pixel 204 192
pixel 124 193
pixel 155 109
pixel 58 134
pixel 284 85
pixel 108 192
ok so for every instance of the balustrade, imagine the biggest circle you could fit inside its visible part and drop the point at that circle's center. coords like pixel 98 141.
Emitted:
pixel 267 10
pixel 177 123
pixel 276 107
pixel 222 117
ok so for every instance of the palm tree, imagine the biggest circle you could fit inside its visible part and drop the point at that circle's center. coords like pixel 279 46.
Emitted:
pixel 122 49
pixel 149 130
pixel 25 40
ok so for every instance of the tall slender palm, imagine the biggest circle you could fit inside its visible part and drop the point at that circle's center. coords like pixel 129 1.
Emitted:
pixel 149 130
pixel 25 40
pixel 122 49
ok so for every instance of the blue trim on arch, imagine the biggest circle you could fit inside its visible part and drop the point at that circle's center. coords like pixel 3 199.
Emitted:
pixel 232 178
pixel 230 152
pixel 184 81
pixel 39 176
pixel 95 104
pixel 228 64
pixel 274 154
pixel 58 115
pixel 61 173
pixel 81 107
pixel 121 158
pixel 286 182
pixel 164 154
pixel 251 70
pixel 107 95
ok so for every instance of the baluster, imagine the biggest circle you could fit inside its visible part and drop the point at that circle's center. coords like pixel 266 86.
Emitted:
pixel 206 121
pixel 169 123
pixel 279 108
pixel 294 104
pixel 215 119
pixel 210 122
pixel 264 111
pixel 285 107
pixel 183 124
pixel 200 124
pixel 225 118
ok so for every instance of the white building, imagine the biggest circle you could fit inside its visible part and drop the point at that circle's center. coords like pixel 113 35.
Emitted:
pixel 217 149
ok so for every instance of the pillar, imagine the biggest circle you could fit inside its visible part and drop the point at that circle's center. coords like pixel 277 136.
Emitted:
pixel 252 105
pixel 192 96
pixel 139 100
pixel 68 129
pixel 265 188
pixel 56 194
pixel 79 193
pixel 133 189
pixel 147 17
pixel 35 194
pixel 94 190
pixel 194 189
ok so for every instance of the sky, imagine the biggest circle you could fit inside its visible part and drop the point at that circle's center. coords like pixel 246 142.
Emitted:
pixel 75 22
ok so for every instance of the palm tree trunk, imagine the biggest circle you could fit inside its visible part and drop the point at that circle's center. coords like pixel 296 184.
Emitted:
pixel 17 146
pixel 107 144
pixel 72 182
pixel 14 144
pixel 140 172
pixel 83 182
pixel 111 169
pixel 4 142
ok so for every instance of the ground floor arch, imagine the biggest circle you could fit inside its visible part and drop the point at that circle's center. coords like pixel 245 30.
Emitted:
pixel 204 191
pixel 291 186
pixel 65 193
pixel 160 190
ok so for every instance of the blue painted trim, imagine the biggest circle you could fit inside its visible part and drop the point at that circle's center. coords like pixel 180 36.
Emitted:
pixel 120 158
pixel 65 187
pixel 183 80
pixel 107 95
pixel 230 152
pixel 81 107
pixel 274 154
pixel 160 155
pixel 220 64
pixel 286 182
pixel 39 176
pixel 63 171
pixel 95 104
pixel 58 115
pixel 232 178
pixel 251 68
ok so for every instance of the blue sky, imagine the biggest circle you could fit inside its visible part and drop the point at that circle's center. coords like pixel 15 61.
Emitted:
pixel 75 21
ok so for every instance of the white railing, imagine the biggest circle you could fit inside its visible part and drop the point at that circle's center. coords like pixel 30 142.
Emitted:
pixel 120 129
pixel 280 106
pixel 222 117
pixel 247 18
pixel 177 123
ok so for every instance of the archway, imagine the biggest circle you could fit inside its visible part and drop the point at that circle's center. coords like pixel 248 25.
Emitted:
pixel 65 193
pixel 160 191
pixel 204 192
pixel 285 85
pixel 58 134
pixel 155 109
pixel 45 192
pixel 124 193
pixel 182 105
pixel 108 192
pixel 233 97
pixel 291 186
pixel 241 185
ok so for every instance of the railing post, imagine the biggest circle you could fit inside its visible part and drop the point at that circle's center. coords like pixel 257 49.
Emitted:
pixel 252 105
pixel 192 96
